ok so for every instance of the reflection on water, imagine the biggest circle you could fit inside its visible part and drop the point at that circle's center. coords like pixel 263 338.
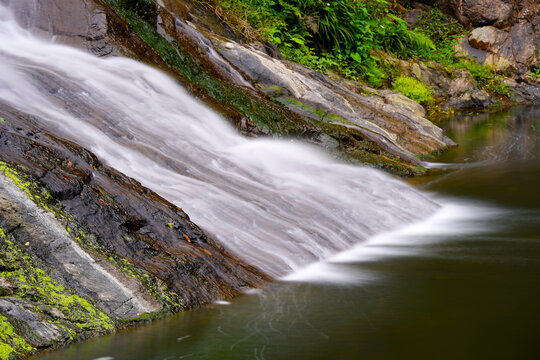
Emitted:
pixel 462 285
pixel 497 160
pixel 509 135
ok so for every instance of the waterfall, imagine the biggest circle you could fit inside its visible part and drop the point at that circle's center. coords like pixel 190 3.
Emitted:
pixel 279 204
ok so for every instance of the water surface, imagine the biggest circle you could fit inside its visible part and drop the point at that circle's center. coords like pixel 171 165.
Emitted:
pixel 464 284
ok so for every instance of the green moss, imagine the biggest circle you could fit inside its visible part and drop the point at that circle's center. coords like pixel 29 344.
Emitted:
pixel 169 299
pixel 11 344
pixel 35 192
pixel 35 283
pixel 413 89
pixel 317 113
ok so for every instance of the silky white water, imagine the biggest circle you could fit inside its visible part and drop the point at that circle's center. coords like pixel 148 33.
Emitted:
pixel 276 203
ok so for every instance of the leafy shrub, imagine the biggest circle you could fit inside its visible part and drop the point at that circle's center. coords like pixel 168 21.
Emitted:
pixel 443 31
pixel 485 77
pixel 481 73
pixel 413 89
pixel 338 35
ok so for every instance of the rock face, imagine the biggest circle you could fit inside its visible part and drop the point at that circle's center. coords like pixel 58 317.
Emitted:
pixel 71 264
pixel 498 13
pixel 81 24
pixel 389 119
pixel 483 12
pixel 505 36
pixel 514 51
pixel 84 248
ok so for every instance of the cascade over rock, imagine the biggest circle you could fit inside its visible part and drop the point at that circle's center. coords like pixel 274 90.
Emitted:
pixel 359 125
pixel 100 155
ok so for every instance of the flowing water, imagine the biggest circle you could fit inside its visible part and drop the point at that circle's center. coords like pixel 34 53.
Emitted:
pixel 278 204
pixel 463 284
pixel 461 280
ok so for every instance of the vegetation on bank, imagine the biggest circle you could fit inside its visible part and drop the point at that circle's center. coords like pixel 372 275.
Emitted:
pixel 413 89
pixel 353 38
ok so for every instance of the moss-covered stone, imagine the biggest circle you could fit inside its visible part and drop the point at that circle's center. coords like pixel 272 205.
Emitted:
pixel 33 283
pixel 12 345
pixel 41 197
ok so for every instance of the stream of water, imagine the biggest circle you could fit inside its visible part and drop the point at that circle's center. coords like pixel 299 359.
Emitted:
pixel 371 268
pixel 278 204
pixel 464 284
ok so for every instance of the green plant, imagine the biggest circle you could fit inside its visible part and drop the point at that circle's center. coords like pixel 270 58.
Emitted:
pixel 498 87
pixel 413 89
pixel 330 35
pixel 535 74
pixel 481 73
pixel 485 77
pixel 444 31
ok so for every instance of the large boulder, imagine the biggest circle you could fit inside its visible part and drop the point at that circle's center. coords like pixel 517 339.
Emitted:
pixel 483 12
pixel 513 51
pixel 385 118
pixel 81 24
pixel 478 13
pixel 484 38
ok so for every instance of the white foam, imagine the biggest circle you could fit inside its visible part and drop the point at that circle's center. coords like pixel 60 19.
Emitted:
pixel 222 302
pixel 454 219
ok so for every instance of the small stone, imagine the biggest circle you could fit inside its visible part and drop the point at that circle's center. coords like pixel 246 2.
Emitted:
pixel 53 312
pixel 416 71
pixel 485 37
pixel 413 16
pixel 6 287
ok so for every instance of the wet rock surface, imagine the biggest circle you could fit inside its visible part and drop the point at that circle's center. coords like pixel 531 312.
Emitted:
pixel 82 24
pixel 42 333
pixel 48 240
pixel 101 248
pixel 123 217
pixel 389 117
